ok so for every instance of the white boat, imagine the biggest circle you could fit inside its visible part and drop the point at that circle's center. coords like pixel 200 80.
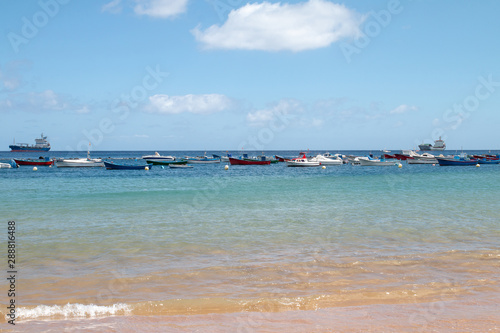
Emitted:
pixel 424 158
pixel 158 157
pixel 327 160
pixel 79 162
pixel 5 166
pixel 302 162
pixel 369 161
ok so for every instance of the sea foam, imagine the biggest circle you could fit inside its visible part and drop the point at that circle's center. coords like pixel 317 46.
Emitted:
pixel 72 311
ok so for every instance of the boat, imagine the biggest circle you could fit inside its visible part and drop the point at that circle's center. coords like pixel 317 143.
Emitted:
pixel 79 162
pixel 41 144
pixel 323 160
pixel 157 157
pixel 438 145
pixel 160 162
pixel 488 161
pixel 301 162
pixel 370 161
pixel 239 161
pixel 113 166
pixel 424 158
pixel 281 158
pixel 180 166
pixel 201 159
pixel 5 166
pixel 462 159
pixel 35 161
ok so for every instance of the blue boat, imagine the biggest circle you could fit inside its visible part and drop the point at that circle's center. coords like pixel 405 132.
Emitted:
pixel 113 166
pixel 456 160
pixel 486 161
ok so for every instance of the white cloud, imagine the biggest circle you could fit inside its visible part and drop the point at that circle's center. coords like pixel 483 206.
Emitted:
pixel 198 104
pixel 284 108
pixel 275 27
pixel 160 8
pixel 403 108
pixel 47 100
pixel 113 7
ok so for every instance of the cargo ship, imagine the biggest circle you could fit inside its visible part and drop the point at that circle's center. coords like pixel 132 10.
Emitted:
pixel 41 144
pixel 438 145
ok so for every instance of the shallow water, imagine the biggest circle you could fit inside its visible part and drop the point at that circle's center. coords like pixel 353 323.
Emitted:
pixel 120 247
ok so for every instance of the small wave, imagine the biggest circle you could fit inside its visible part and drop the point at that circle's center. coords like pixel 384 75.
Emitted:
pixel 71 311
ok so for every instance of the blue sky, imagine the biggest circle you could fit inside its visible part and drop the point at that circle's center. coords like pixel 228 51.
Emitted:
pixel 260 75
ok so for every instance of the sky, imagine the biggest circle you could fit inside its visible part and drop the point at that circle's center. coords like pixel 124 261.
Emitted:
pixel 259 75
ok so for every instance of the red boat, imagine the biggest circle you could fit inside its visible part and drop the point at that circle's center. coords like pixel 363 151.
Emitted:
pixel 281 159
pixel 237 161
pixel 41 161
pixel 403 157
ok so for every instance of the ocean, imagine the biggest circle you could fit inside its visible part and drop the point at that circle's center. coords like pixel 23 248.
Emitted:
pixel 252 248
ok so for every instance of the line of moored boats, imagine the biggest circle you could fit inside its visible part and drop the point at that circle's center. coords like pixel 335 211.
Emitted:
pixel 386 159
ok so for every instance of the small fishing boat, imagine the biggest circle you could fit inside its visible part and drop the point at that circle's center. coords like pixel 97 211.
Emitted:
pixel 488 161
pixel 202 160
pixel 462 159
pixel 370 161
pixel 424 158
pixel 281 158
pixel 180 166
pixel 159 162
pixel 35 161
pixel 113 166
pixel 239 161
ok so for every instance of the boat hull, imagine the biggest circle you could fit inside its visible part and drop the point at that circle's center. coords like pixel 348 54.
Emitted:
pixel 366 162
pixel 455 162
pixel 203 161
pixel 19 149
pixel 159 162
pixel 112 166
pixel 78 163
pixel 237 161
pixel 34 162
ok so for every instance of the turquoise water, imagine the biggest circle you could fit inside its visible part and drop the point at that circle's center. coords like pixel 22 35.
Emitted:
pixel 252 238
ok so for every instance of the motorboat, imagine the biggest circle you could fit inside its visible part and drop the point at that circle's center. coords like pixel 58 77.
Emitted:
pixel 323 160
pixel 302 162
pixel 5 166
pixel 158 157
pixel 79 162
pixel 424 158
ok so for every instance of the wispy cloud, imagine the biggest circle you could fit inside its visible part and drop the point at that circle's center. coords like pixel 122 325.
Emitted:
pixel 47 100
pixel 403 108
pixel 160 8
pixel 275 27
pixel 284 108
pixel 113 7
pixel 198 104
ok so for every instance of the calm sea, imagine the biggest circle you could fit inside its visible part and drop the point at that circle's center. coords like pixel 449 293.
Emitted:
pixel 252 248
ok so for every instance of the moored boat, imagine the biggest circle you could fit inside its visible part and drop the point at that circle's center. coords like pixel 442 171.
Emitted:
pixel 302 162
pixel 369 161
pixel 462 159
pixel 160 162
pixel 202 160
pixel 323 160
pixel 113 166
pixel 79 162
pixel 239 161
pixel 157 157
pixel 33 161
